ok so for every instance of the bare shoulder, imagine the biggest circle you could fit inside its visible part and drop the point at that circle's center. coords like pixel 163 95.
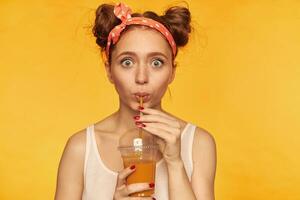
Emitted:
pixel 204 164
pixel 203 139
pixel 74 150
pixel 204 148
pixel 71 167
pixel 77 141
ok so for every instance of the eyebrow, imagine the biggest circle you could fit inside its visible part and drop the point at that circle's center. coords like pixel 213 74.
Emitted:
pixel 149 54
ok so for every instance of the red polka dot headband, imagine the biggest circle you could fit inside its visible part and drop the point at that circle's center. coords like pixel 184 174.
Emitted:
pixel 123 12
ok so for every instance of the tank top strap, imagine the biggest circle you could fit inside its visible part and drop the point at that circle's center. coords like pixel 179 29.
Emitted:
pixel 88 145
pixel 187 138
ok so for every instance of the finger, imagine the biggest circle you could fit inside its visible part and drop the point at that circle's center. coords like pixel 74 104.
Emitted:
pixel 138 187
pixel 123 174
pixel 158 118
pixel 169 138
pixel 140 198
pixel 157 112
pixel 166 128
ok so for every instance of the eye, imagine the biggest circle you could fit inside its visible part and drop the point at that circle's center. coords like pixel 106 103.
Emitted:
pixel 126 62
pixel 157 62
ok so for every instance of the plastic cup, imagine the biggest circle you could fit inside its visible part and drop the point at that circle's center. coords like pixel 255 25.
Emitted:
pixel 144 158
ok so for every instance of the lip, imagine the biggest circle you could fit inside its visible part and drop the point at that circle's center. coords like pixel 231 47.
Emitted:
pixel 144 95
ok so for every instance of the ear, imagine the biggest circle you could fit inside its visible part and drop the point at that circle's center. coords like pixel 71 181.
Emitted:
pixel 108 72
pixel 173 73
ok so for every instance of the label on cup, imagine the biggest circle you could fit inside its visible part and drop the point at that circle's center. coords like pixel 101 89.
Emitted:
pixel 137 143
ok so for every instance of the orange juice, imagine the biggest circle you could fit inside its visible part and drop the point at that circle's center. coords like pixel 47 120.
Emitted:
pixel 144 173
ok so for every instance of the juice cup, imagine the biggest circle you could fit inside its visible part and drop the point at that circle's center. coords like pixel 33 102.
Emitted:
pixel 144 158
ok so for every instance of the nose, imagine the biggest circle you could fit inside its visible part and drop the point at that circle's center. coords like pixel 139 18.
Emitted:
pixel 141 76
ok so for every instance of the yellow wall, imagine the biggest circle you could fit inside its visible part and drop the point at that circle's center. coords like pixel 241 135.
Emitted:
pixel 239 79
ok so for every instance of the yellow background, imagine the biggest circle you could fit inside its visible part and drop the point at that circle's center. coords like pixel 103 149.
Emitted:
pixel 238 78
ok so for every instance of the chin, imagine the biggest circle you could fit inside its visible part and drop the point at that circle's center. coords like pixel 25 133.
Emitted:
pixel 135 105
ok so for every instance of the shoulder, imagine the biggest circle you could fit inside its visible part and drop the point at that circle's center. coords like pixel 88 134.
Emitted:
pixel 74 150
pixel 76 142
pixel 204 153
pixel 203 139
pixel 204 164
pixel 71 166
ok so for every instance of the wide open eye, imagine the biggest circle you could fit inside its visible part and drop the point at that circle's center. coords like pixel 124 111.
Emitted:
pixel 157 63
pixel 126 62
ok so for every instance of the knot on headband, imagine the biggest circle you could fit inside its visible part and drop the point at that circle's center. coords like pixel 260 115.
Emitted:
pixel 122 11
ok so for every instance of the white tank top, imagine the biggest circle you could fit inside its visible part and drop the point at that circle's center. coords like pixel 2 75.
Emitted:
pixel 100 182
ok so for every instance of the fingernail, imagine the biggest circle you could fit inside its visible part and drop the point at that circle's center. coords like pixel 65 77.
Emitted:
pixel 136 117
pixel 141 108
pixel 153 198
pixel 151 185
pixel 132 167
pixel 140 124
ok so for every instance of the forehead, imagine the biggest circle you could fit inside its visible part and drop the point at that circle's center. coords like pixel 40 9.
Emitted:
pixel 143 41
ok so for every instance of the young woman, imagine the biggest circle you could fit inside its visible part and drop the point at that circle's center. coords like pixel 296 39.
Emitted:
pixel 140 50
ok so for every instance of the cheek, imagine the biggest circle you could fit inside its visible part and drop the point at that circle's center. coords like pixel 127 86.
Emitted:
pixel 160 83
pixel 121 82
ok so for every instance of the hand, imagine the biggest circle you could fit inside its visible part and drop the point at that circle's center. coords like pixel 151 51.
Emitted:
pixel 166 128
pixel 123 191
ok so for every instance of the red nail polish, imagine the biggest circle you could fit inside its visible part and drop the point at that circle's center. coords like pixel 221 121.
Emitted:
pixel 151 185
pixel 132 167
pixel 136 117
pixel 141 108
pixel 140 124
pixel 153 198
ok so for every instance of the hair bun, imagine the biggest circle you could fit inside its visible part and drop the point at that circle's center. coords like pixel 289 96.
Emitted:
pixel 178 20
pixel 105 21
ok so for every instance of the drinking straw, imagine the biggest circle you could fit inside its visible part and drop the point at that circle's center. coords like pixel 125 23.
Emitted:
pixel 140 129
